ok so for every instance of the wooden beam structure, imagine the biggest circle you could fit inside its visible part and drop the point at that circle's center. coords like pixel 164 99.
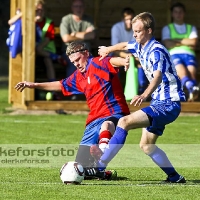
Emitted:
pixel 104 14
pixel 23 66
pixel 82 106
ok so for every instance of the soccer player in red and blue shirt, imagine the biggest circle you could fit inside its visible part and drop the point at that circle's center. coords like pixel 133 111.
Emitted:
pixel 98 80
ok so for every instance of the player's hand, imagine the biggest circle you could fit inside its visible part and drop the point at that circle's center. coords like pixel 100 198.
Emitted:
pixel 22 85
pixel 137 100
pixel 127 63
pixel 103 52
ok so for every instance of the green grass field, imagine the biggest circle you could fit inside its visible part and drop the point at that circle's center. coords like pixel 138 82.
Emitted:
pixel 138 177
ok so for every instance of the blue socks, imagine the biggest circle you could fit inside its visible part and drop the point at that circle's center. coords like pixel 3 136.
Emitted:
pixel 160 158
pixel 115 144
pixel 188 83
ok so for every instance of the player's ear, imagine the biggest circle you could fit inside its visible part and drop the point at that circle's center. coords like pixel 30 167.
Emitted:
pixel 149 31
pixel 87 52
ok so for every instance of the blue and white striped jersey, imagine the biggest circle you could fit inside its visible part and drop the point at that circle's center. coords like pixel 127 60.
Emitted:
pixel 154 57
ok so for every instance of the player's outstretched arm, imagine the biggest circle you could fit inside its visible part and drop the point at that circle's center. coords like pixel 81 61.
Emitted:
pixel 49 86
pixel 103 51
pixel 118 62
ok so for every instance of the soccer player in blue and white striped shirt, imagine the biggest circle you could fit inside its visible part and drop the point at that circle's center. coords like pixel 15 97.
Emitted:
pixel 164 88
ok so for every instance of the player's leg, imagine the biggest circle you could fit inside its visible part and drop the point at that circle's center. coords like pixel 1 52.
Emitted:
pixel 163 113
pixel 105 134
pixel 84 157
pixel 181 61
pixel 147 144
pixel 135 120
pixel 195 90
pixel 87 161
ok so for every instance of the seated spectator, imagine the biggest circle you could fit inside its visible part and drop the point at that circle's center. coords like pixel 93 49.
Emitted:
pixel 45 46
pixel 181 39
pixel 76 26
pixel 122 32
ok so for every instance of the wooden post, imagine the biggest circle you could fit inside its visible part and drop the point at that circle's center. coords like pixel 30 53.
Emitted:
pixel 28 53
pixel 15 65
pixel 22 67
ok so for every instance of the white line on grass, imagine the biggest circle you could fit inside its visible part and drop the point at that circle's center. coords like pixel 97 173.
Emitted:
pixel 106 184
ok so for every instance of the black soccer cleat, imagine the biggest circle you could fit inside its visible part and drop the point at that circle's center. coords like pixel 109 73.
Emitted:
pixel 91 172
pixel 110 175
pixel 180 180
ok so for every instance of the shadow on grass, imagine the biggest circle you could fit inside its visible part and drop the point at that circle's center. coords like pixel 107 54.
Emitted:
pixel 142 183
pixel 119 178
pixel 195 181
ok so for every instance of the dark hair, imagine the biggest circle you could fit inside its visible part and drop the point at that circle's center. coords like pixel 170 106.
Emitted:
pixel 74 47
pixel 179 5
pixel 127 11
pixel 147 19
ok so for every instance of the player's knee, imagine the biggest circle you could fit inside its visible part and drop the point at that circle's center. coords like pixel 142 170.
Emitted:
pixel 147 148
pixel 123 122
pixel 108 125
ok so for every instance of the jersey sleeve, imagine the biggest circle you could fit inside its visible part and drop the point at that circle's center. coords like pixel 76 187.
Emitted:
pixel 194 33
pixel 132 45
pixel 70 85
pixel 104 69
pixel 165 33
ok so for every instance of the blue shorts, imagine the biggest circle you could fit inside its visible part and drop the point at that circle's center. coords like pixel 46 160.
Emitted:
pixel 161 113
pixel 184 59
pixel 91 134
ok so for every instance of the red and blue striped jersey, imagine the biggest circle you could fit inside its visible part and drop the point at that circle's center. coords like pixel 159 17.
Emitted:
pixel 101 86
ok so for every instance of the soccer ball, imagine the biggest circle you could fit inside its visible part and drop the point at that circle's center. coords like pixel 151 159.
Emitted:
pixel 72 173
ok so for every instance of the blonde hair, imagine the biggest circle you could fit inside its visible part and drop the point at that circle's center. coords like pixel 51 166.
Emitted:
pixel 147 20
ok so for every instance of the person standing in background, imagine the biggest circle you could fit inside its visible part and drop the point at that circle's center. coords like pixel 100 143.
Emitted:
pixel 76 26
pixel 45 46
pixel 181 39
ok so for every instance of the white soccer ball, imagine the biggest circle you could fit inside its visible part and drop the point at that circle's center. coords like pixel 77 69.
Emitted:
pixel 72 173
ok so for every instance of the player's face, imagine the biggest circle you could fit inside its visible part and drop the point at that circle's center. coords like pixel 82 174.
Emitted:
pixel 178 15
pixel 141 34
pixel 127 21
pixel 79 59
